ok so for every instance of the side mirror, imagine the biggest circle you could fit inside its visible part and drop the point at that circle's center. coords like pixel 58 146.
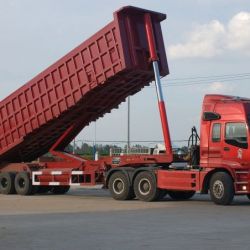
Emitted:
pixel 211 116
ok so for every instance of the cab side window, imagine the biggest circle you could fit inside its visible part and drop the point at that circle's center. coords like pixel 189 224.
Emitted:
pixel 216 132
pixel 236 134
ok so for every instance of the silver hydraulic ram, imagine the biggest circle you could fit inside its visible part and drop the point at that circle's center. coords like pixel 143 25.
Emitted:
pixel 154 58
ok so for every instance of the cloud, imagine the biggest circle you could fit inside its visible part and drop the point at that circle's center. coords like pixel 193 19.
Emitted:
pixel 238 36
pixel 214 38
pixel 219 87
pixel 201 42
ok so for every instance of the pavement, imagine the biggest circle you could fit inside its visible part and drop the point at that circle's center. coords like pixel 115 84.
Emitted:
pixel 91 219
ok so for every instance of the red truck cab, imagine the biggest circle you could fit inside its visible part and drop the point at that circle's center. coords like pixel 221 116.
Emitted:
pixel 224 157
pixel 224 132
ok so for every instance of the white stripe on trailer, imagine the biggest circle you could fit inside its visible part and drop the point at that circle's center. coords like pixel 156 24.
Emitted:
pixel 77 172
pixel 98 186
pixel 34 174
pixel 56 172
pixel 52 183
pixel 38 173
pixel 74 184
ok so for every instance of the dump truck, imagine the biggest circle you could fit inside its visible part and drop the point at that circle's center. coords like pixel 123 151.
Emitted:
pixel 48 112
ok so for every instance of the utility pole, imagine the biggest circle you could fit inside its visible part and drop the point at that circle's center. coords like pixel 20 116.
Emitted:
pixel 95 149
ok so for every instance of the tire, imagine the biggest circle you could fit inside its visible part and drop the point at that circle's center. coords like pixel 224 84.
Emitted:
pixel 7 183
pixel 145 187
pixel 60 189
pixel 248 196
pixel 181 195
pixel 221 188
pixel 23 184
pixel 119 186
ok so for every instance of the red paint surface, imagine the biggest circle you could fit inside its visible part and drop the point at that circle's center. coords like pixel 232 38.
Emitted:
pixel 150 37
pixel 165 128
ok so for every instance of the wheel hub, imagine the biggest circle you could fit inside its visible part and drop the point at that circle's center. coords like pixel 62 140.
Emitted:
pixel 218 189
pixel 144 186
pixel 118 186
pixel 4 182
pixel 21 183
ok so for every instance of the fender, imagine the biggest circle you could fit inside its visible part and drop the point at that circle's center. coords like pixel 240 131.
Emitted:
pixel 207 176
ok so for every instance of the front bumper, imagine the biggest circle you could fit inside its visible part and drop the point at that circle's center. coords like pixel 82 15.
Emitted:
pixel 242 182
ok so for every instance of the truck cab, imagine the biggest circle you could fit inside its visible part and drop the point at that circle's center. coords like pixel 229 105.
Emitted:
pixel 222 167
pixel 225 132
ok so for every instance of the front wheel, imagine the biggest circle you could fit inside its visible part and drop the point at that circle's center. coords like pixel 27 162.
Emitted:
pixel 145 187
pixel 221 188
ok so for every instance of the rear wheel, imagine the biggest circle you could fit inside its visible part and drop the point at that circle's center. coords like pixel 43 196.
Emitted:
pixel 60 189
pixel 119 187
pixel 23 184
pixel 221 188
pixel 7 183
pixel 145 187
pixel 181 195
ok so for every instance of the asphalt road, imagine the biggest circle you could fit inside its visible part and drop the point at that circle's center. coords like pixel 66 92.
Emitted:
pixel 91 219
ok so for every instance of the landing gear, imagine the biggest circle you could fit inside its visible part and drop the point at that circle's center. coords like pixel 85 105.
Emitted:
pixel 221 188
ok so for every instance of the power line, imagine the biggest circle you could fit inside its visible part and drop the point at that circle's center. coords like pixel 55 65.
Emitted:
pixel 205 77
pixel 204 81
pixel 213 79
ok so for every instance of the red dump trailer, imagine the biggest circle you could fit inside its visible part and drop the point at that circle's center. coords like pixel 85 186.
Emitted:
pixel 46 114
pixel 79 88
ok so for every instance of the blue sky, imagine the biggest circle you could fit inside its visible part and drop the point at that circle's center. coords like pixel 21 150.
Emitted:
pixel 202 38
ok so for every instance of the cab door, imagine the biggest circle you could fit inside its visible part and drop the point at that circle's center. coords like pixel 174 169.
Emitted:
pixel 215 152
pixel 235 143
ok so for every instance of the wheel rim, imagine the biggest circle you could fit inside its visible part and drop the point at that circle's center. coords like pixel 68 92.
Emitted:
pixel 218 189
pixel 21 183
pixel 118 186
pixel 144 186
pixel 4 182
